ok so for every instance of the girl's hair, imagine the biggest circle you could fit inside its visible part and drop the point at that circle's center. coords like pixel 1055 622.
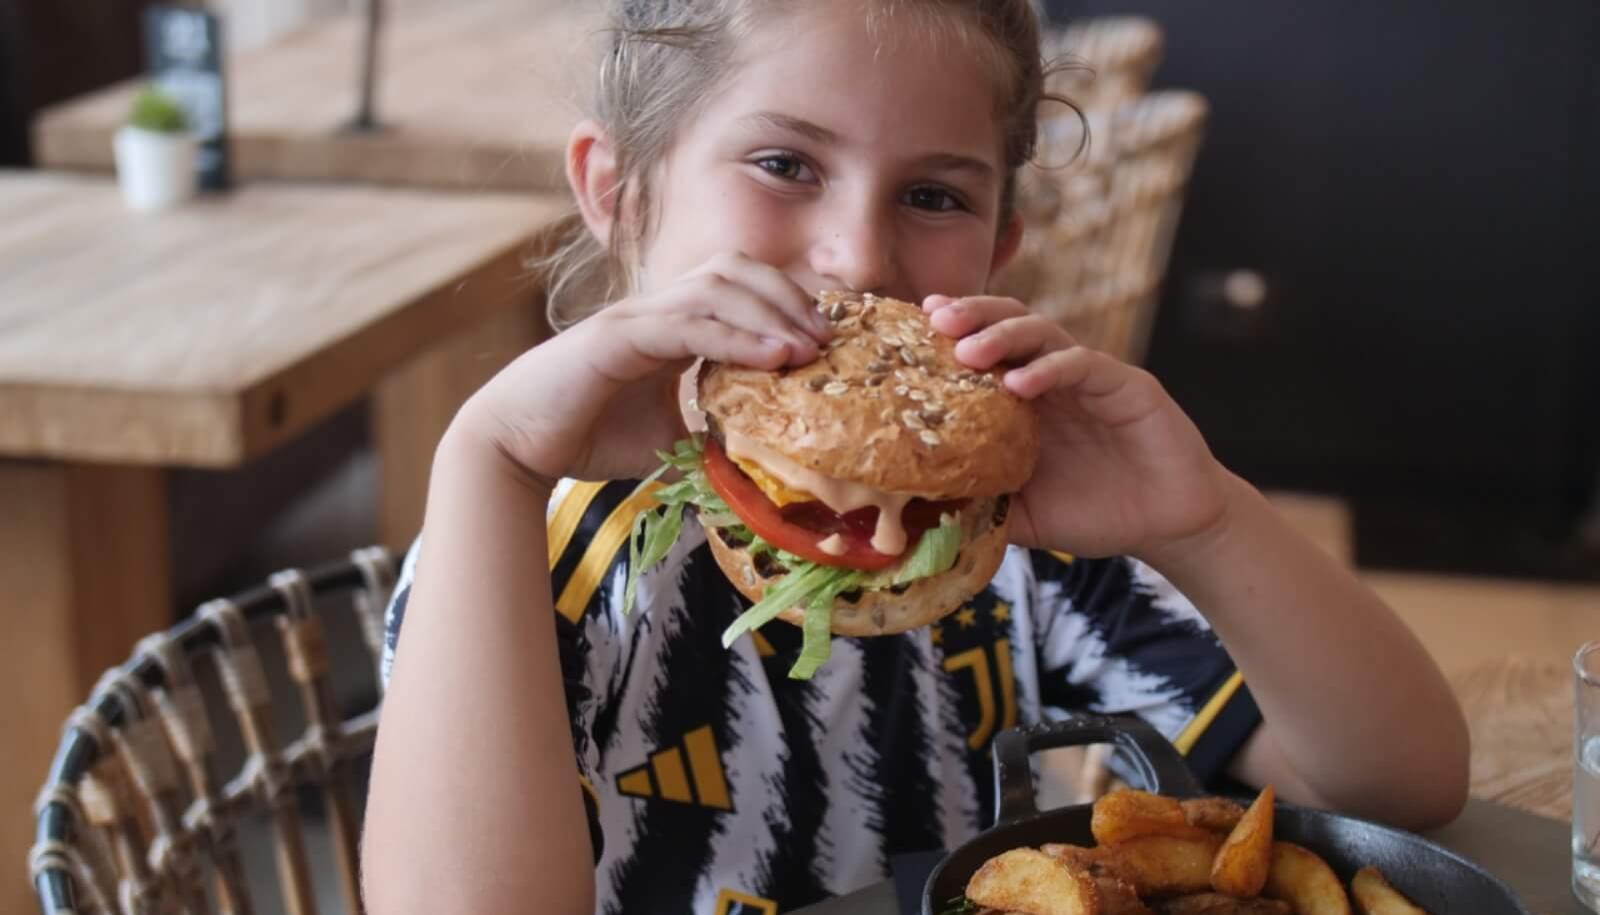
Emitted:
pixel 664 58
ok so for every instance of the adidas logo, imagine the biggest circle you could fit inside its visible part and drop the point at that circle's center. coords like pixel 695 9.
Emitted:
pixel 690 773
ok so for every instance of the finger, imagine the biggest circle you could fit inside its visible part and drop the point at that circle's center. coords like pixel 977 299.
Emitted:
pixel 960 317
pixel 691 337
pixel 734 303
pixel 778 289
pixel 933 303
pixel 1018 340
pixel 1107 388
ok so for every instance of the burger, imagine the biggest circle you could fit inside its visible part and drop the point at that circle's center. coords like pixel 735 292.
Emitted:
pixel 867 493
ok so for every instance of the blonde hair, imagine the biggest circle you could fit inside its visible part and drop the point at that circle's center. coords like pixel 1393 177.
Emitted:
pixel 663 58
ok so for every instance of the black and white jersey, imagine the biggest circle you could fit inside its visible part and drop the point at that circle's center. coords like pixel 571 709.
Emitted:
pixel 719 786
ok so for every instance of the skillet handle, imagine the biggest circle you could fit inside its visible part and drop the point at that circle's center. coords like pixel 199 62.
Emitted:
pixel 1157 763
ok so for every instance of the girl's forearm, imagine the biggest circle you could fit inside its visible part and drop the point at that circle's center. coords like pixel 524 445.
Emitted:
pixel 1356 708
pixel 475 805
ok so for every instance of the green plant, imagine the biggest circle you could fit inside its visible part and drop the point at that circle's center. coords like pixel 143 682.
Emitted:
pixel 156 111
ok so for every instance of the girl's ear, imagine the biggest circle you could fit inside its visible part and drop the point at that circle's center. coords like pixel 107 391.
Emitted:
pixel 592 174
pixel 1007 243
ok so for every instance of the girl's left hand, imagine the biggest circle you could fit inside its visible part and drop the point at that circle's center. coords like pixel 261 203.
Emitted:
pixel 1122 470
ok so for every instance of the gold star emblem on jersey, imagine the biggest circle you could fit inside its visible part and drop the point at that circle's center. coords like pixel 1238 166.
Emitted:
pixel 968 618
pixel 701 782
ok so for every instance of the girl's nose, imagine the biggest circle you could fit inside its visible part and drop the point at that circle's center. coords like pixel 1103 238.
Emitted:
pixel 855 254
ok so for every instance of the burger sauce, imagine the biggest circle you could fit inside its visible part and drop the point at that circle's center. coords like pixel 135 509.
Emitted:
pixel 888 537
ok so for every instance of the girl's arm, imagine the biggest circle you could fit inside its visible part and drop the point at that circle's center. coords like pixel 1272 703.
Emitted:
pixel 475 805
pixel 1357 716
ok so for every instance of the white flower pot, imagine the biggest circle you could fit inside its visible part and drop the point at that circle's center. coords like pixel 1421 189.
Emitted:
pixel 156 170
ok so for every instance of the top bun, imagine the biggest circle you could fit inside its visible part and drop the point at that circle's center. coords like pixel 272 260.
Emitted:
pixel 886 405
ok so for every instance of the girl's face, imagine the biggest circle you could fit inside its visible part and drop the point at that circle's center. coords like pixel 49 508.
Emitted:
pixel 844 161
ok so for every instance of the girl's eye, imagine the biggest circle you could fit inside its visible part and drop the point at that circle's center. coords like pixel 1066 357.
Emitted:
pixel 936 199
pixel 789 168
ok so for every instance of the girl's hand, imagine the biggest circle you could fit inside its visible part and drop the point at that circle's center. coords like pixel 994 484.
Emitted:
pixel 598 400
pixel 1122 470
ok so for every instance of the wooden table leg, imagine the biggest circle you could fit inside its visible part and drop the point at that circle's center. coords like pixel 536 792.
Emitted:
pixel 414 405
pixel 84 566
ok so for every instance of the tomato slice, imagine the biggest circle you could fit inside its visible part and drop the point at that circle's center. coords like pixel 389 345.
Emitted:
pixel 799 527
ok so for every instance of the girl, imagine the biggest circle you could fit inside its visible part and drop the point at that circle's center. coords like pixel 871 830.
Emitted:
pixel 540 751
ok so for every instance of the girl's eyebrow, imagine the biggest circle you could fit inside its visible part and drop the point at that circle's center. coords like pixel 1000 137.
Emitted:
pixel 951 162
pixel 772 120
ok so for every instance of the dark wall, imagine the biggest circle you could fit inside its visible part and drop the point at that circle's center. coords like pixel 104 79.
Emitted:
pixel 1418 185
pixel 51 50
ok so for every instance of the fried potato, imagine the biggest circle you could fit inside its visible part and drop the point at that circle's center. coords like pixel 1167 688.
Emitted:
pixel 1127 814
pixel 1374 895
pixel 1305 881
pixel 1217 814
pixel 1118 896
pixel 1220 904
pixel 1241 865
pixel 1028 881
pixel 1159 865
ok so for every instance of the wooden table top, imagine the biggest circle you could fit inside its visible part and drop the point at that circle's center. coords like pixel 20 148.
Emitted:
pixel 206 335
pixel 474 94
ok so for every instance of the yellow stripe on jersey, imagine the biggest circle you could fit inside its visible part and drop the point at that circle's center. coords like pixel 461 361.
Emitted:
pixel 601 550
pixel 1067 558
pixel 1208 713
pixel 564 520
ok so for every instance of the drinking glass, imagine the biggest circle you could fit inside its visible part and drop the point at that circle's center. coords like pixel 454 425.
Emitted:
pixel 1586 778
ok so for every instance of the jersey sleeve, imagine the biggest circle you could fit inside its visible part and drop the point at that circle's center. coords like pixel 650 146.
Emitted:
pixel 587 526
pixel 1114 637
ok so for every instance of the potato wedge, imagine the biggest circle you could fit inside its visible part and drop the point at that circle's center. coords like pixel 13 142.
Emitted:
pixel 1117 895
pixel 1160 865
pixel 1127 814
pixel 1305 881
pixel 1217 814
pixel 1241 865
pixel 1030 881
pixel 1220 904
pixel 1374 895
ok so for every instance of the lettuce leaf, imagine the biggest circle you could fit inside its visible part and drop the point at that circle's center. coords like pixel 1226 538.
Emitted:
pixel 807 584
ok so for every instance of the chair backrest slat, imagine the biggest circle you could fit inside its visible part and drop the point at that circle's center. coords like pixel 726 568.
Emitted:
pixel 138 817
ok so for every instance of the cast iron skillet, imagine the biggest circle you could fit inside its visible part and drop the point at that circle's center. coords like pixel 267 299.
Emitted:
pixel 1438 880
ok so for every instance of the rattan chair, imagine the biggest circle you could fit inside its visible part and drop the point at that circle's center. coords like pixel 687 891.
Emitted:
pixel 143 812
pixel 1099 229
pixel 1104 62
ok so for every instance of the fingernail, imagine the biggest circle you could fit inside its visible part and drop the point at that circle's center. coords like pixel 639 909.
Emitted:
pixel 775 344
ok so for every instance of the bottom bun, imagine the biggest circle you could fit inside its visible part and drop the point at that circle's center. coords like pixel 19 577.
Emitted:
pixel 883 611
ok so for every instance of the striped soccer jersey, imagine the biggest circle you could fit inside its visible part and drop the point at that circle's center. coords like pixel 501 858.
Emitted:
pixel 716 785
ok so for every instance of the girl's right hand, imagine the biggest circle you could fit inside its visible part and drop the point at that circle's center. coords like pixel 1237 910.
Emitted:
pixel 598 400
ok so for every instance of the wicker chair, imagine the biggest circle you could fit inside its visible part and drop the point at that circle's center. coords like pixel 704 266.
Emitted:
pixel 1108 60
pixel 1099 231
pixel 137 816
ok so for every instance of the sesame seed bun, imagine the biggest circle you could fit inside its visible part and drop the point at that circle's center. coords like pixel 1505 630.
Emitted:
pixel 886 611
pixel 887 405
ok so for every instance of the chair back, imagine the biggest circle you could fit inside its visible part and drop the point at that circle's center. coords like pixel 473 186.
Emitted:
pixel 231 721
pixel 1099 228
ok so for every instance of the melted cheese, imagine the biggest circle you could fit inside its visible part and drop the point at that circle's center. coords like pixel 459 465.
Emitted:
pixel 780 494
pixel 888 538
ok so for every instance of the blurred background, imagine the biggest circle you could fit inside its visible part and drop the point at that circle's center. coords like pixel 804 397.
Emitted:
pixel 1355 240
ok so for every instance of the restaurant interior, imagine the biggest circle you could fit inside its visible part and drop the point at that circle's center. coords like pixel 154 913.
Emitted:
pixel 1354 241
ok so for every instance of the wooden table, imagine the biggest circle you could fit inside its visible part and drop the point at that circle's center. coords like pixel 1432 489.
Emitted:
pixel 475 94
pixel 1520 711
pixel 205 337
